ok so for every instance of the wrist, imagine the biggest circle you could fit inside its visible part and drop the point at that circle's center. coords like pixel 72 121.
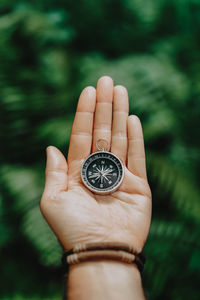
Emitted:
pixel 95 279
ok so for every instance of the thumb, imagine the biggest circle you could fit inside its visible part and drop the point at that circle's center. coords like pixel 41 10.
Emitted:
pixel 56 171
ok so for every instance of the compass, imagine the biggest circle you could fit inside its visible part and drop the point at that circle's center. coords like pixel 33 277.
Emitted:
pixel 102 172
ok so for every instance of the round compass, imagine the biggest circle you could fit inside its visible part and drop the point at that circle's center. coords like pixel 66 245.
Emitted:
pixel 102 172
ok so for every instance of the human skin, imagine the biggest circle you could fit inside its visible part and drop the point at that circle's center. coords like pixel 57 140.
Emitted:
pixel 76 215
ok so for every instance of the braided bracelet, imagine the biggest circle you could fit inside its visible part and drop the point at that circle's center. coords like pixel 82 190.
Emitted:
pixel 106 250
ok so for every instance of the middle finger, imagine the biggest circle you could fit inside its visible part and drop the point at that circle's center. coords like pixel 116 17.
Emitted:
pixel 103 112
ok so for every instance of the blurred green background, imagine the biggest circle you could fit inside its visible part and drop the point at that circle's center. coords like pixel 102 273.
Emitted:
pixel 49 50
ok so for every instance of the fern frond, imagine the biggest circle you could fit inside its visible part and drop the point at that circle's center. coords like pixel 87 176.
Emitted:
pixel 185 195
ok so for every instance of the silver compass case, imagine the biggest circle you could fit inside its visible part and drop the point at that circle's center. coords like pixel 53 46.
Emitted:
pixel 102 172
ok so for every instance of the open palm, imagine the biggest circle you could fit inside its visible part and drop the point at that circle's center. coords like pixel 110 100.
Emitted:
pixel 77 215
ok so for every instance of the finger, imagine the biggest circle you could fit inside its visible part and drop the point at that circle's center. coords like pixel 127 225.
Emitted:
pixel 81 134
pixel 56 172
pixel 103 113
pixel 136 152
pixel 119 126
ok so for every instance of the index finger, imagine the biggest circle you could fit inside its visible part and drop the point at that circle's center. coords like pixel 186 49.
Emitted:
pixel 81 134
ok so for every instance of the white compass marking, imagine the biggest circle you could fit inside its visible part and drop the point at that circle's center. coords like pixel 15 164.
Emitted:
pixel 99 170
pixel 102 174
pixel 94 175
pixel 105 177
pixel 108 173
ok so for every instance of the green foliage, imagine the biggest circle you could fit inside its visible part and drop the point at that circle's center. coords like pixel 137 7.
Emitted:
pixel 49 52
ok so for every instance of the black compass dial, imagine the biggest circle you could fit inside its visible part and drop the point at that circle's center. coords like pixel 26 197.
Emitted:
pixel 102 172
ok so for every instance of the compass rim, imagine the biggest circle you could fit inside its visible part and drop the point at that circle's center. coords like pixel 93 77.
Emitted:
pixel 108 190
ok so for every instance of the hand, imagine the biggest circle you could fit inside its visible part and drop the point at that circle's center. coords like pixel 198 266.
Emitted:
pixel 75 214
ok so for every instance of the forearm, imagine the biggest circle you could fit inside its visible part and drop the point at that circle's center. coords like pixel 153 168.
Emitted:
pixel 102 280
